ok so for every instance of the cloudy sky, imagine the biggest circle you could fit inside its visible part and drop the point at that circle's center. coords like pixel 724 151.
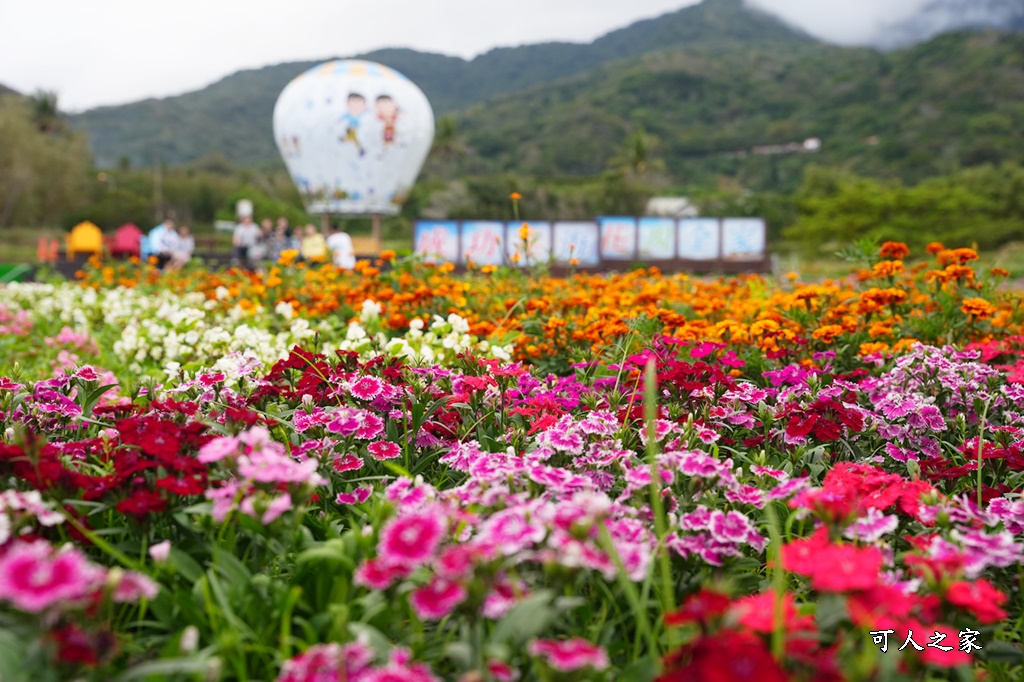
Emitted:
pixel 96 52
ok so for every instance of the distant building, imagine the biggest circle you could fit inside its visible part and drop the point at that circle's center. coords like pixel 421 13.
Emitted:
pixel 671 207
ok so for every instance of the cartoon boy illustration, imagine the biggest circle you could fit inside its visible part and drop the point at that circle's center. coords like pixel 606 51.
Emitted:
pixel 352 117
pixel 387 112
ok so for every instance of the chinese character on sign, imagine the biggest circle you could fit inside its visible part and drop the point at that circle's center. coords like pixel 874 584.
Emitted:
pixel 882 637
pixel 967 640
pixel 910 640
pixel 936 641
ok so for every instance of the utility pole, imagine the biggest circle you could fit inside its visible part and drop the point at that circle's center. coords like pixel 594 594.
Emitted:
pixel 158 192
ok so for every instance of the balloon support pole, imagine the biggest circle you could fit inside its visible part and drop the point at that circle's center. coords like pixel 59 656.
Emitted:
pixel 376 232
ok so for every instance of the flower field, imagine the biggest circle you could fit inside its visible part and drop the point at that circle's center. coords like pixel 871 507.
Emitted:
pixel 406 474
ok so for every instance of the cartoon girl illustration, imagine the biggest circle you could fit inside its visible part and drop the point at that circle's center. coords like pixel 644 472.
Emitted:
pixel 387 113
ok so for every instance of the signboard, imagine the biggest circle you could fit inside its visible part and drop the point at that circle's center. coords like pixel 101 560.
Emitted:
pixel 437 241
pixel 483 242
pixel 577 240
pixel 698 239
pixel 618 238
pixel 530 241
pixel 657 239
pixel 743 239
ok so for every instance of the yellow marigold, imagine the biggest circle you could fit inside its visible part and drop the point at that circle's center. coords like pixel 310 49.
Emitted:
pixel 978 307
pixel 828 333
pixel 524 231
pixel 895 250
pixel 288 256
pixel 887 268
pixel 488 269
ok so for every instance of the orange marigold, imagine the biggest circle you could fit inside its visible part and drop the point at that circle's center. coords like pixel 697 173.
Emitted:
pixel 957 256
pixel 872 348
pixel 999 272
pixel 887 268
pixel 828 333
pixel 895 250
pixel 935 247
pixel 978 307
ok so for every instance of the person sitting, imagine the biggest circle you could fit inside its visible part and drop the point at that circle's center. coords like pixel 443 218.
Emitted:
pixel 167 244
pixel 186 246
pixel 159 241
pixel 340 245
pixel 314 246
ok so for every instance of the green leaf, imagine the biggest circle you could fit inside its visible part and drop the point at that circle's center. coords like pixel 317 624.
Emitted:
pixel 641 670
pixel 188 567
pixel 527 619
pixel 376 639
pixel 1001 652
pixel 171 666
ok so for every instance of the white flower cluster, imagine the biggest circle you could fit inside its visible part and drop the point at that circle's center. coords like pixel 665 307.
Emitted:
pixel 442 341
pixel 163 332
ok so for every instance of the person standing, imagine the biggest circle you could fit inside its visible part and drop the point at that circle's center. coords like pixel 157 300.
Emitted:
pixel 340 244
pixel 245 236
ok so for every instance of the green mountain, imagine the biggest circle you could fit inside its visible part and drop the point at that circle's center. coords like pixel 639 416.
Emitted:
pixel 909 114
pixel 4 90
pixel 233 116
pixel 723 91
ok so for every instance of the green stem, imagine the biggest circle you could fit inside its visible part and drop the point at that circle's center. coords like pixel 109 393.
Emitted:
pixel 778 582
pixel 660 527
pixel 981 443
pixel 630 589
pixel 121 557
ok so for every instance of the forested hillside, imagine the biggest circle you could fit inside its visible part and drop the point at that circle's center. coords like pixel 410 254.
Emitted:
pixel 912 113
pixel 233 116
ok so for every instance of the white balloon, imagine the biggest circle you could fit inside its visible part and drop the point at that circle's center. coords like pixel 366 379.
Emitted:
pixel 354 135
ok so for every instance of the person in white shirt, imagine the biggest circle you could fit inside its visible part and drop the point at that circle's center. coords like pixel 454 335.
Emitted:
pixel 246 234
pixel 159 241
pixel 340 245
pixel 167 244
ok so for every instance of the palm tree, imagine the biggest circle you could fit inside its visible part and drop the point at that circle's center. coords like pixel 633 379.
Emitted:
pixel 637 155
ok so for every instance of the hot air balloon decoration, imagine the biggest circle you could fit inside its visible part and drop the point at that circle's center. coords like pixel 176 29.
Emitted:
pixel 354 135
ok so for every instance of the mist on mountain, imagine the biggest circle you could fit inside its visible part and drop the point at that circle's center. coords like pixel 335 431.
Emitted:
pixel 941 16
